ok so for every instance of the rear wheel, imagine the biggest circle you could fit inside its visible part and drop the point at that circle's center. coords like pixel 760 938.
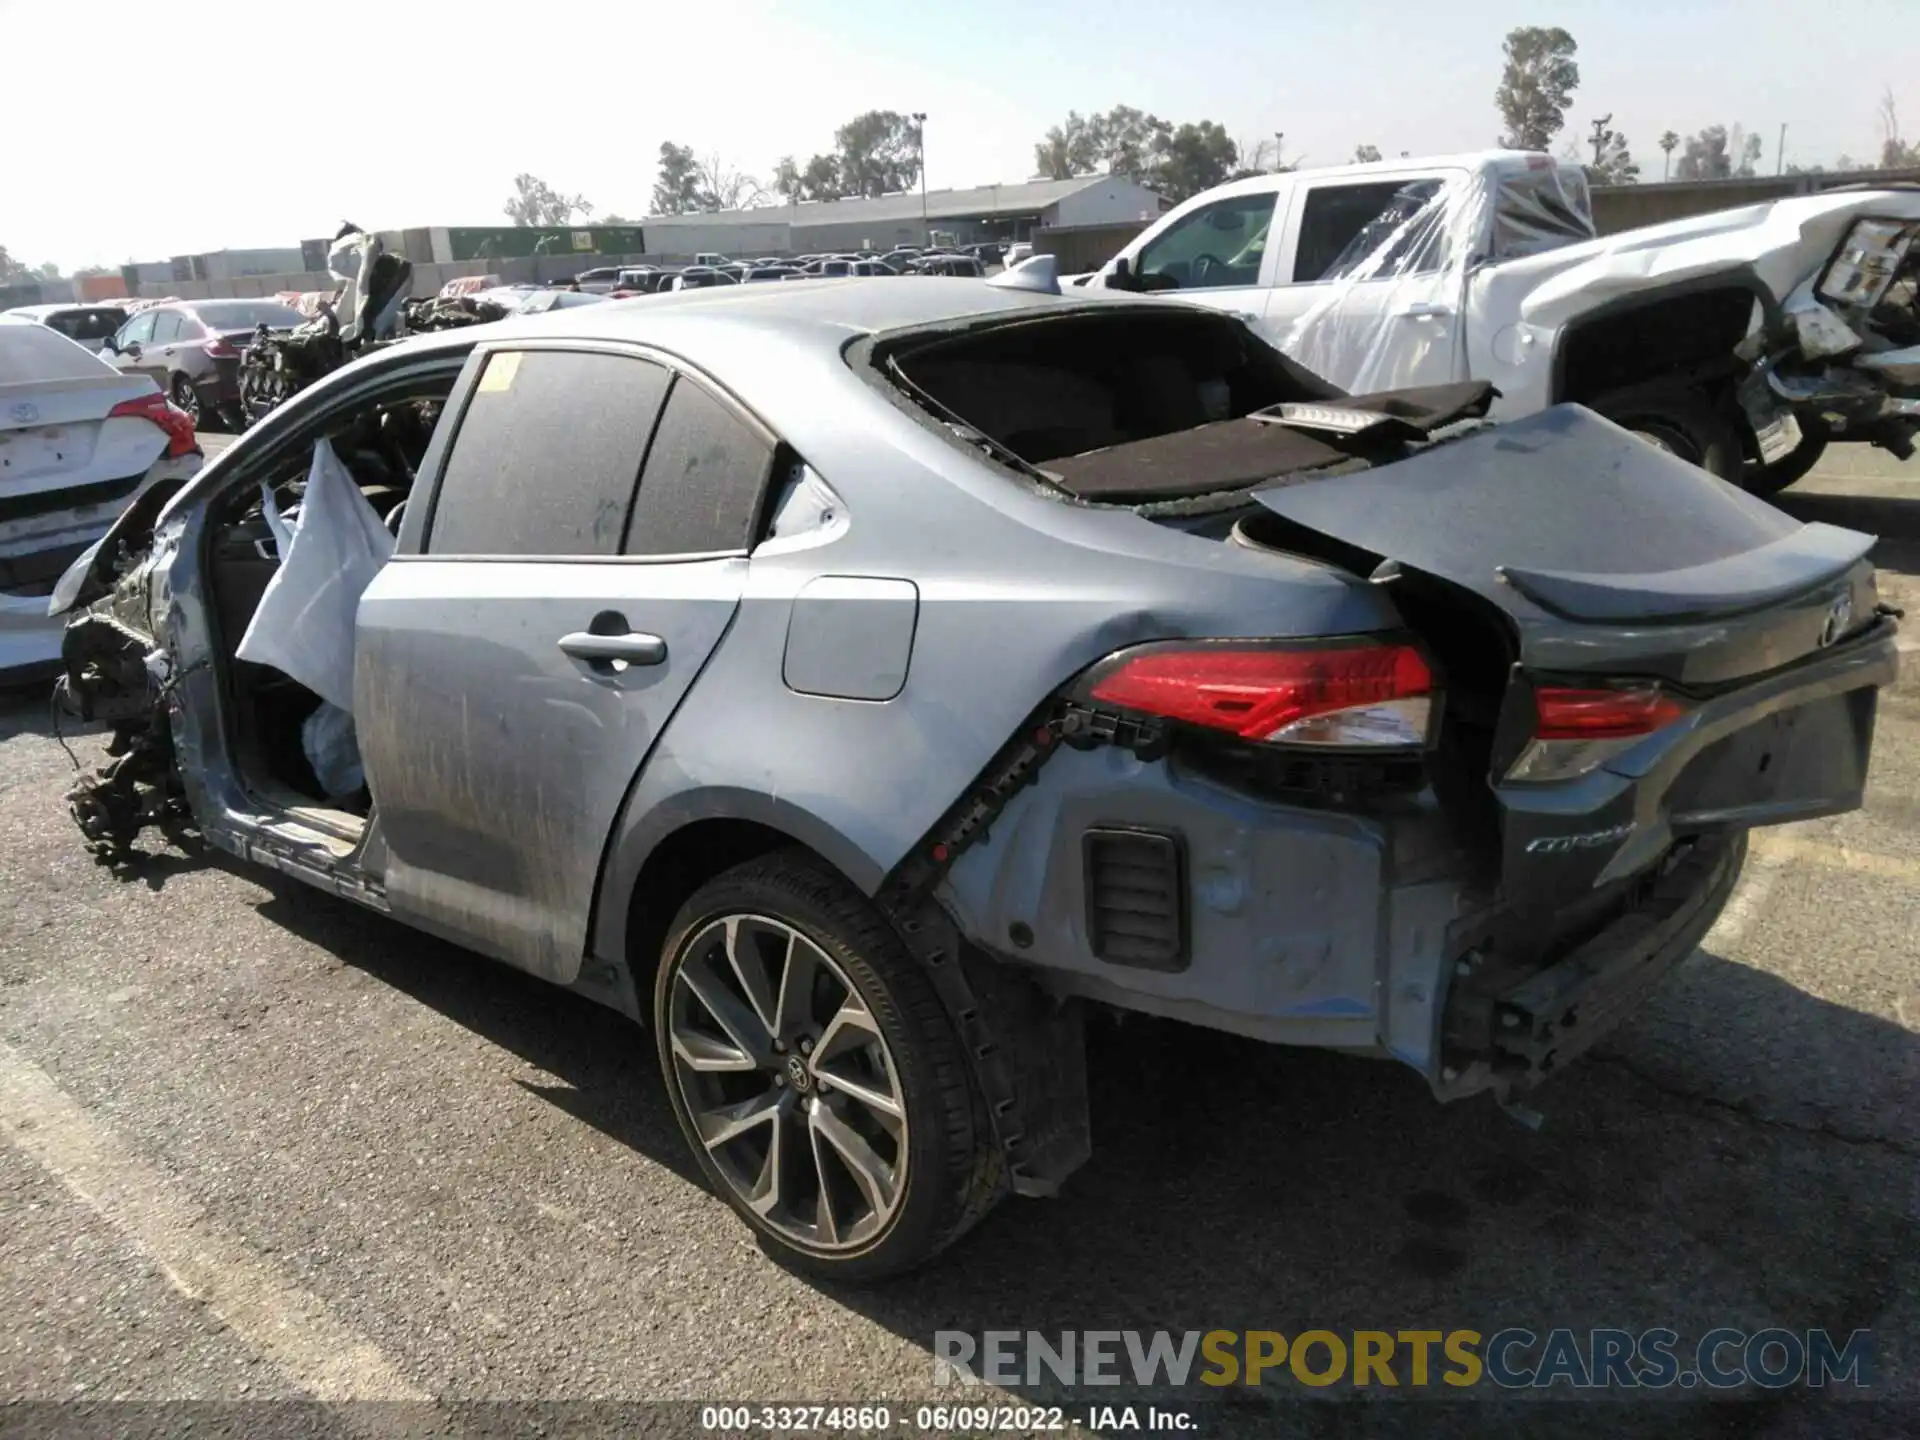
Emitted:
pixel 1682 422
pixel 815 1073
pixel 182 393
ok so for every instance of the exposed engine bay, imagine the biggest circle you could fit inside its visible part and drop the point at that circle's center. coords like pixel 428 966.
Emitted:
pixel 372 309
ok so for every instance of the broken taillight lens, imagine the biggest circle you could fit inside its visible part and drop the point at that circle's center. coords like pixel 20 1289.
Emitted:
pixel 164 413
pixel 1564 713
pixel 1578 729
pixel 1350 694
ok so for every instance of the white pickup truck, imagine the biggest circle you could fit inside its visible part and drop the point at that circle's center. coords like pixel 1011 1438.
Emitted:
pixel 1744 340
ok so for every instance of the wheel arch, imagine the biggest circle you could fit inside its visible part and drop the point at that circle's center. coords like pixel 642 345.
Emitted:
pixel 1596 351
pixel 663 850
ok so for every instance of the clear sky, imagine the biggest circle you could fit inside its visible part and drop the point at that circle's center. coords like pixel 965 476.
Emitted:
pixel 137 130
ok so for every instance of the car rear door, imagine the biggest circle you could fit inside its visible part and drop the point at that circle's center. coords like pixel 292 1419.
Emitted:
pixel 541 622
pixel 1370 286
pixel 130 345
pixel 160 359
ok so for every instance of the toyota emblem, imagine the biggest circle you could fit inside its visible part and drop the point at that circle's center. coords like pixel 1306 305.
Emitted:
pixel 24 413
pixel 1839 620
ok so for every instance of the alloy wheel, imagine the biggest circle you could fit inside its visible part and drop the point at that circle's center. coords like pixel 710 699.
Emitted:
pixel 185 397
pixel 788 1081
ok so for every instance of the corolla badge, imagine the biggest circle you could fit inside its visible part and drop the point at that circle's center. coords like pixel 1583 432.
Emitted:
pixel 1591 840
pixel 1839 620
pixel 24 413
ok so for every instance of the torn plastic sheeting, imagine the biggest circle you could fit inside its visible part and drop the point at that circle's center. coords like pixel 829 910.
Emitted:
pixel 303 626
pixel 1413 259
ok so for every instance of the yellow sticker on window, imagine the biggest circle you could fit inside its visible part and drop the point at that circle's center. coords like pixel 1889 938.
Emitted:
pixel 500 371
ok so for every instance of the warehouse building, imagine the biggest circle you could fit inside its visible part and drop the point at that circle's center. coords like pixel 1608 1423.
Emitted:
pixel 982 212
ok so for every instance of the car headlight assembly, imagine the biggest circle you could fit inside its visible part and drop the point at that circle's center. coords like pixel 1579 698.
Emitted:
pixel 1868 260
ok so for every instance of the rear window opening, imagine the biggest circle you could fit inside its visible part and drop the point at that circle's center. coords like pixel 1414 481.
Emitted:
pixel 1136 405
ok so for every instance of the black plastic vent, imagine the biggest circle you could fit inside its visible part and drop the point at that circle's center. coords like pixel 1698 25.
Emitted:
pixel 1136 898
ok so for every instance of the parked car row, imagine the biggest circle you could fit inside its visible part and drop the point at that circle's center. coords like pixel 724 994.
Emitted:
pixel 708 269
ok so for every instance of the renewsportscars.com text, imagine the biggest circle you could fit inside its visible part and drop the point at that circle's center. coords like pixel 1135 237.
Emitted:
pixel 1512 1358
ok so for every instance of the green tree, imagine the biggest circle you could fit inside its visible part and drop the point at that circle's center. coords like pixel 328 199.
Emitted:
pixel 819 179
pixel 878 153
pixel 1069 149
pixel 1193 158
pixel 1895 152
pixel 1536 85
pixel 1668 142
pixel 1131 142
pixel 534 202
pixel 677 190
pixel 1718 153
pixel 1613 163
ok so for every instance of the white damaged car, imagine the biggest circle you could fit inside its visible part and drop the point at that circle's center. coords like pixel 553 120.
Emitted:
pixel 1745 340
pixel 79 442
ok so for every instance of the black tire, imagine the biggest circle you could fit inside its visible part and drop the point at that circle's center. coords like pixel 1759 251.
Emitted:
pixel 181 392
pixel 1765 480
pixel 951 1166
pixel 1681 421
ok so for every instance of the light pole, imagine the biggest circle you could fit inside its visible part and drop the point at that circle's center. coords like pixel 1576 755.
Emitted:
pixel 920 140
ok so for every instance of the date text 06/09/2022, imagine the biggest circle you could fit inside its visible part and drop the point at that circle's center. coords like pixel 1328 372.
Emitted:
pixel 938 1419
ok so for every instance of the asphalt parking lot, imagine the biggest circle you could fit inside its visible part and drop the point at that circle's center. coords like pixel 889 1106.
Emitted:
pixel 259 1143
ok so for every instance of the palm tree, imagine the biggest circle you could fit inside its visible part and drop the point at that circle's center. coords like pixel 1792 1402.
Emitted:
pixel 1667 142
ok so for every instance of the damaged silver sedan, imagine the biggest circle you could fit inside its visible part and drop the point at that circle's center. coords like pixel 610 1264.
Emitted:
pixel 858 682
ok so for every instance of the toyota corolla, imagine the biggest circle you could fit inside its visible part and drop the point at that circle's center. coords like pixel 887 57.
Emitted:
pixel 857 683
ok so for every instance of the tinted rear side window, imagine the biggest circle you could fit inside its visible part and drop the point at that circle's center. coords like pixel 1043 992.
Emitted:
pixel 1334 214
pixel 705 477
pixel 546 455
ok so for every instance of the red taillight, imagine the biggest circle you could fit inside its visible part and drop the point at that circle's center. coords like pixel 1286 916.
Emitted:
pixel 164 413
pixel 1345 695
pixel 1564 713
pixel 219 349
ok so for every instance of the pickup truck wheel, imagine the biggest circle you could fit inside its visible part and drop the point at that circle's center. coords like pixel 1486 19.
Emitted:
pixel 1681 422
pixel 815 1073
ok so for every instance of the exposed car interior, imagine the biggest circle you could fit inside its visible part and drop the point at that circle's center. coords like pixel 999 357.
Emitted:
pixel 382 446
pixel 1131 407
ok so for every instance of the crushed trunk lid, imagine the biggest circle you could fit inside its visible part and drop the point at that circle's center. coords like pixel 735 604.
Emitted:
pixel 1601 552
pixel 1562 551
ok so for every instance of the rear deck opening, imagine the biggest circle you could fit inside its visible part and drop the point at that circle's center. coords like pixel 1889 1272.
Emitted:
pixel 1137 404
